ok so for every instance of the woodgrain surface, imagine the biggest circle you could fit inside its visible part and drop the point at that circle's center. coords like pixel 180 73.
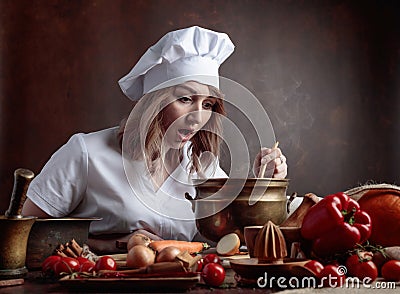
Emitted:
pixel 327 72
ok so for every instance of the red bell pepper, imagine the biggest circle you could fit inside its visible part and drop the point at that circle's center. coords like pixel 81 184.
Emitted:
pixel 335 224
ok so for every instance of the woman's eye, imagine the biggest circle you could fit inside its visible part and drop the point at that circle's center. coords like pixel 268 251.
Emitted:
pixel 185 99
pixel 208 105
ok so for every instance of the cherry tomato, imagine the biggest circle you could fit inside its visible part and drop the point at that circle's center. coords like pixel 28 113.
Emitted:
pixel 87 266
pixel 213 274
pixel 315 266
pixel 379 259
pixel 66 265
pixel 61 268
pixel 81 259
pixel 105 263
pixel 330 276
pixel 200 265
pixel 48 264
pixel 211 258
pixel 391 270
pixel 362 267
pixel 334 262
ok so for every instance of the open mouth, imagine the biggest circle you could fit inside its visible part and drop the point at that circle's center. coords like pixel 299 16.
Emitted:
pixel 185 133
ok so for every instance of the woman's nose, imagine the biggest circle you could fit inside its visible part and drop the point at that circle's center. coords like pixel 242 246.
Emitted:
pixel 194 117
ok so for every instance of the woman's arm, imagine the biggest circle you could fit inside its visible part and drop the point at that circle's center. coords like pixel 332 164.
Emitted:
pixel 31 209
pixel 103 244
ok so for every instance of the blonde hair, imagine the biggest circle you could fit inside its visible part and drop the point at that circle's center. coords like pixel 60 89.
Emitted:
pixel 146 122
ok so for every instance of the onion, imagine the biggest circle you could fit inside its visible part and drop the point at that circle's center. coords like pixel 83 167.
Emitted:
pixel 138 239
pixel 140 256
pixel 168 254
pixel 228 245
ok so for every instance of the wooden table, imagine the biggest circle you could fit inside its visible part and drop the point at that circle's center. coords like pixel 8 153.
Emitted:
pixel 34 283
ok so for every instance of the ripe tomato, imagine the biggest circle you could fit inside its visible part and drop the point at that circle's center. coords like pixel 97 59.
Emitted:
pixel 200 265
pixel 81 259
pixel 105 263
pixel 48 264
pixel 213 274
pixel 87 266
pixel 211 258
pixel 315 266
pixel 391 270
pixel 362 267
pixel 331 277
pixel 66 265
pixel 379 259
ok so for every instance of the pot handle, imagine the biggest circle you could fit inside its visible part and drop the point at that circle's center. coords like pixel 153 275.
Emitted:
pixel 291 198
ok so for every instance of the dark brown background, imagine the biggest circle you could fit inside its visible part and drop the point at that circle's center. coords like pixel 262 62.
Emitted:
pixel 327 72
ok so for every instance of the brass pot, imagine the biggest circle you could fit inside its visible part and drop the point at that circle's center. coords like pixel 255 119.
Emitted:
pixel 223 206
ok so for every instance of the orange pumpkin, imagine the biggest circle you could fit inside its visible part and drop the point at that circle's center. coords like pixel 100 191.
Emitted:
pixel 383 206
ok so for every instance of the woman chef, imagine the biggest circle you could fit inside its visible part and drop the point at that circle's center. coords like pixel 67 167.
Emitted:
pixel 135 176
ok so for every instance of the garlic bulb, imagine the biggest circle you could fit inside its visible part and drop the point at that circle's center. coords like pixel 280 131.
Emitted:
pixel 270 245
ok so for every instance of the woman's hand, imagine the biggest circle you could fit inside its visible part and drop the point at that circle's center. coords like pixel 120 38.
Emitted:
pixel 275 161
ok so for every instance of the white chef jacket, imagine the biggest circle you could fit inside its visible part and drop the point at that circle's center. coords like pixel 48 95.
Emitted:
pixel 86 178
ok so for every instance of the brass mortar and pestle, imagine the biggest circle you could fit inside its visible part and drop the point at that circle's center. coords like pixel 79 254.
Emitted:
pixel 15 229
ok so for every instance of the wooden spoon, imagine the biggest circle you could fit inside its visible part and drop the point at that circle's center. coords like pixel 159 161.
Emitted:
pixel 264 166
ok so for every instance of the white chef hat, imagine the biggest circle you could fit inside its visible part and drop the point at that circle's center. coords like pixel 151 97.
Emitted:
pixel 192 53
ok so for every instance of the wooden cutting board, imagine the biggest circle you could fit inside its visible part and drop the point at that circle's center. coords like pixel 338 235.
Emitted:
pixel 11 282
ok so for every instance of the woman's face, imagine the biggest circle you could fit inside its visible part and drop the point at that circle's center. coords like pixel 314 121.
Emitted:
pixel 189 110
